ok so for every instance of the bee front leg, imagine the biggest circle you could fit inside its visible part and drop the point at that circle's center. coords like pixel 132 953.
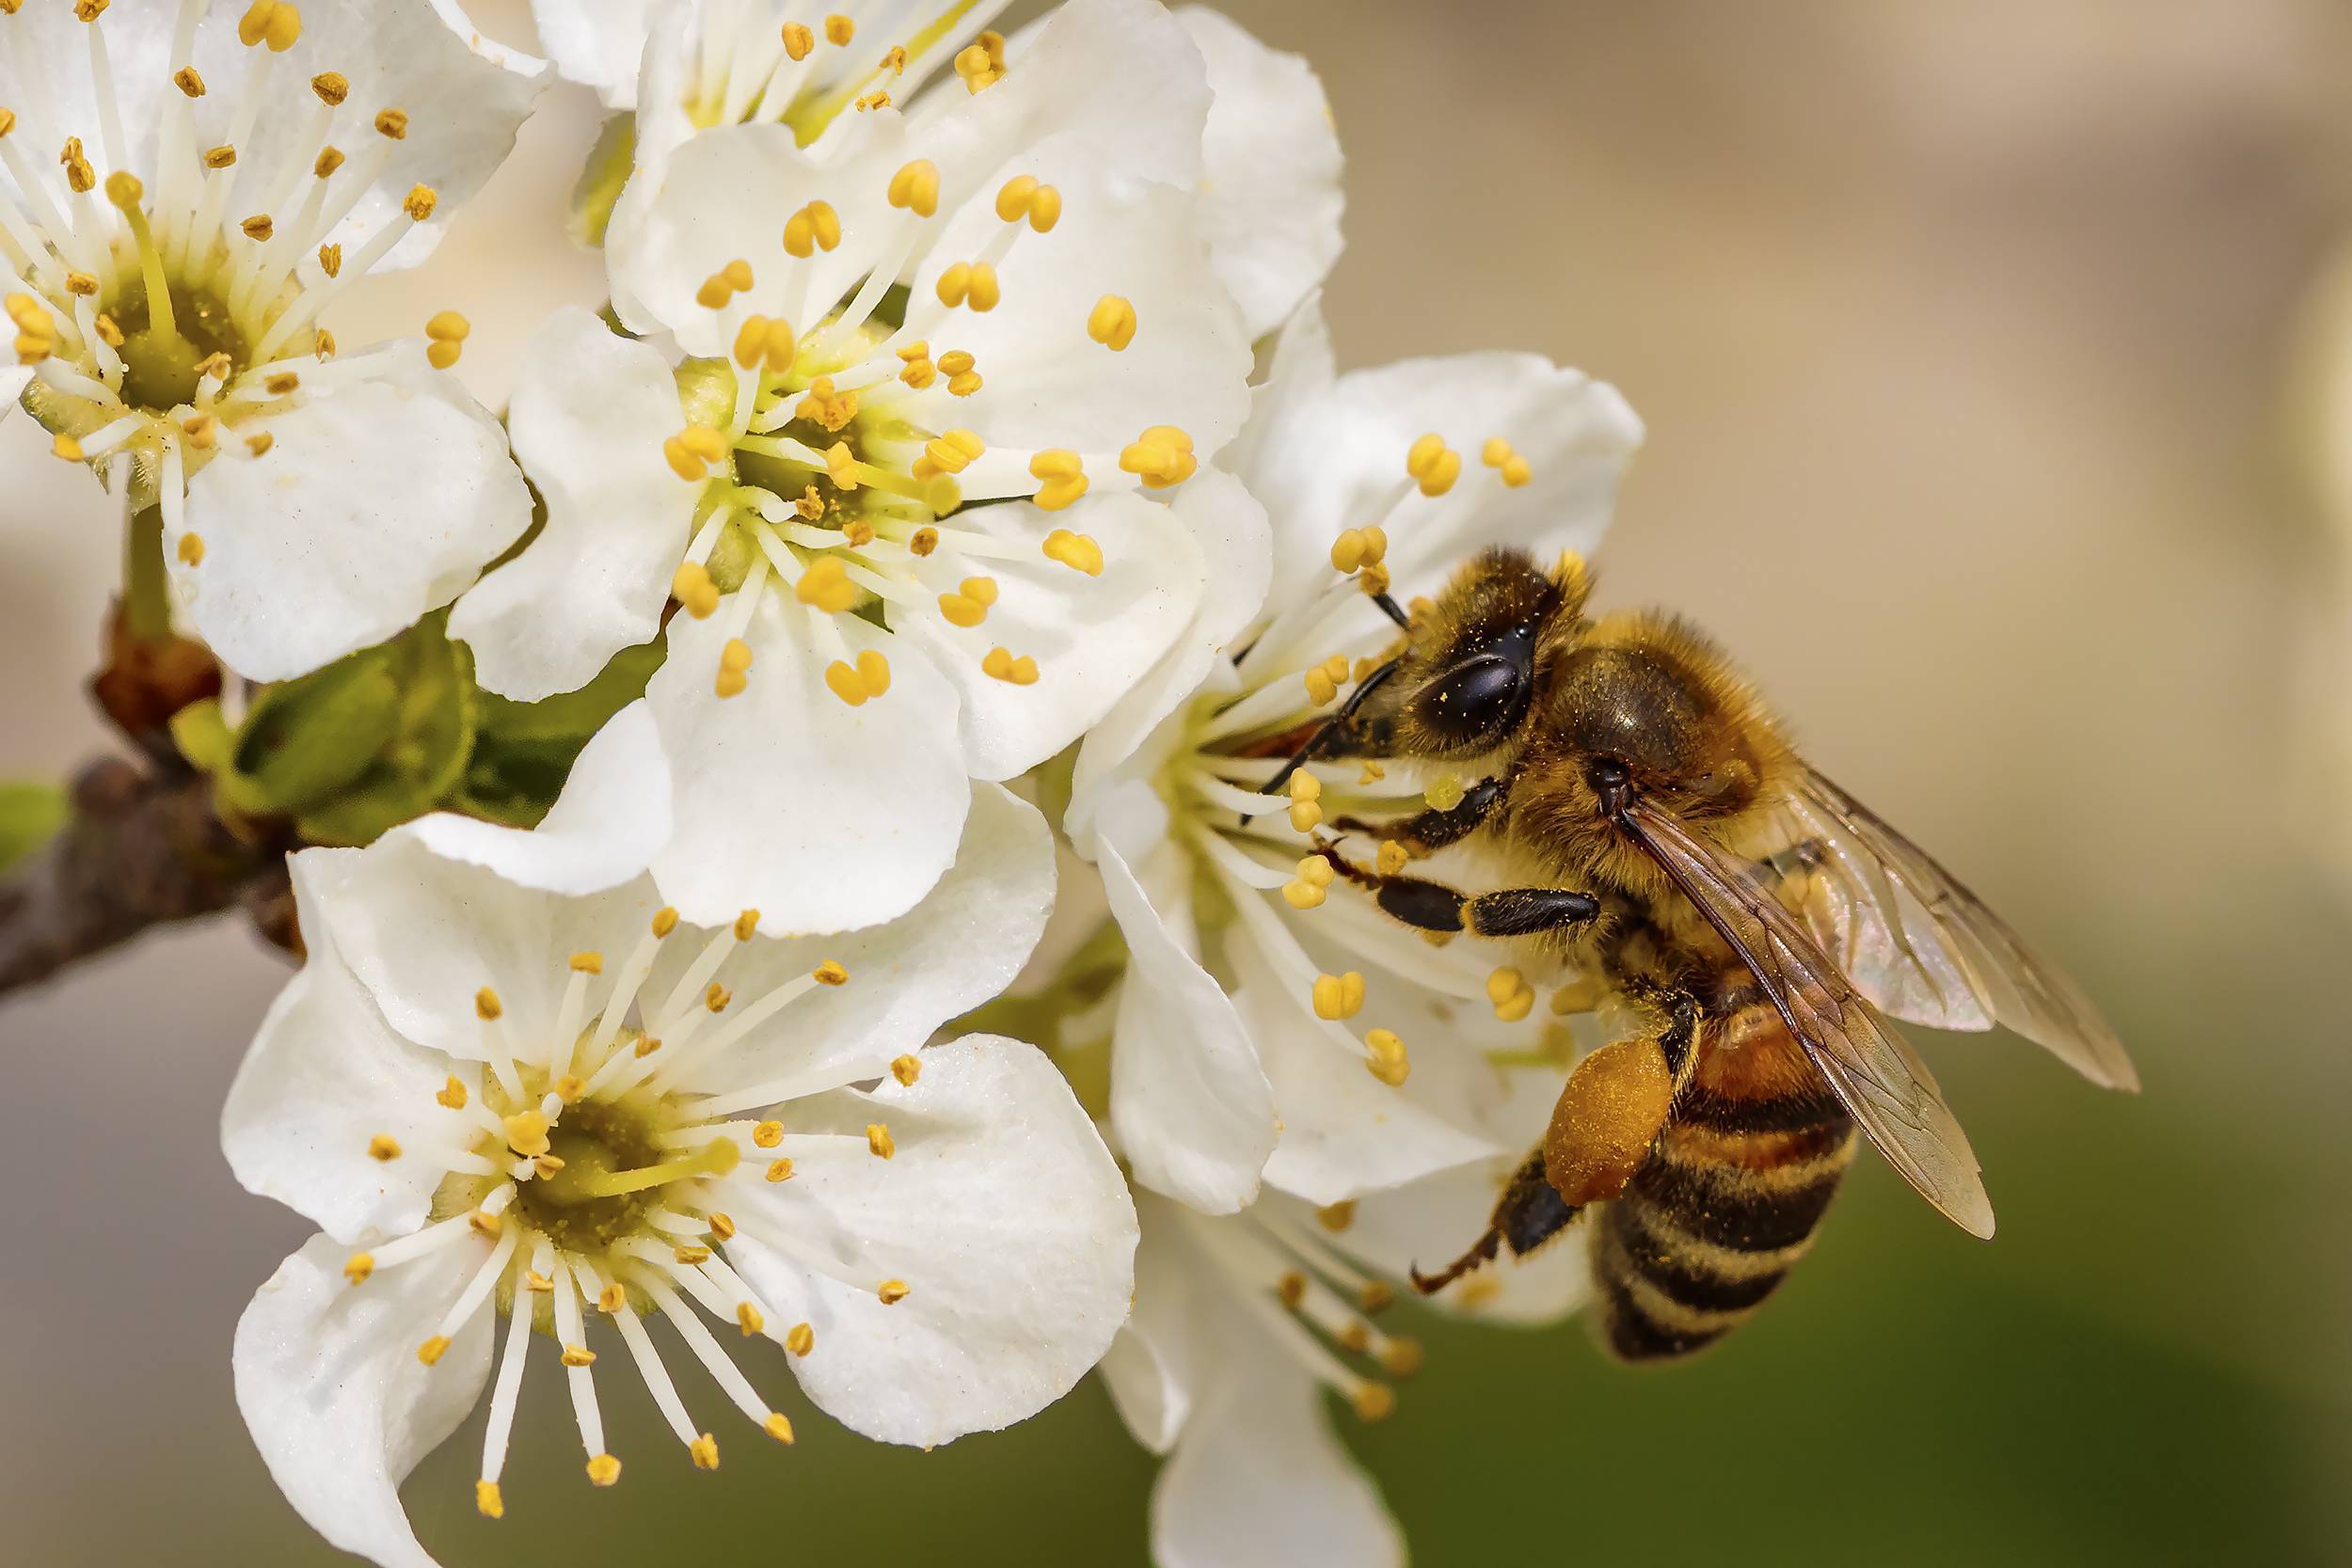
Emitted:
pixel 1427 832
pixel 1427 906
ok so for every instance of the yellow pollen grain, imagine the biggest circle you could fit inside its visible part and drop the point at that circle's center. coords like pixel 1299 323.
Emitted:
pixel 384 1147
pixel 914 188
pixel 419 201
pixel 452 1094
pixel 779 1170
pixel 527 1133
pixel 705 1450
pixel 188 81
pixel 332 87
pixel 1392 858
pixel 693 588
pixel 878 1141
pixel 392 123
pixel 1112 322
pixel 768 1134
pixel 1337 1217
pixel 487 1501
pixel 892 1292
pixel 359 1266
pixel 603 1470
pixel 1000 664
pixel 431 1352
pixel 800 1339
pixel 829 973
pixel 798 40
pixel 777 1426
pixel 1077 551
pixel 1338 996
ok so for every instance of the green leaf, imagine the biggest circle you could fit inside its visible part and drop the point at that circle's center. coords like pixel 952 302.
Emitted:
pixel 310 739
pixel 30 816
pixel 574 716
pixel 418 767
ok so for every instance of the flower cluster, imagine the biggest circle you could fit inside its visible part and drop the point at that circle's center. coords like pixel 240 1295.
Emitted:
pixel 957 482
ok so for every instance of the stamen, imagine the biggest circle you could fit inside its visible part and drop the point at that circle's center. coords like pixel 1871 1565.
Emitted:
pixel 1512 996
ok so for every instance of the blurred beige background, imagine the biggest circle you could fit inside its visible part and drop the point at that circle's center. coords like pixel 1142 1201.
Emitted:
pixel 1962 334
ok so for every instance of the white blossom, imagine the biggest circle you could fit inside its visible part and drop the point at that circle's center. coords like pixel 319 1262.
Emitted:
pixel 184 187
pixel 1363 472
pixel 576 1111
pixel 859 636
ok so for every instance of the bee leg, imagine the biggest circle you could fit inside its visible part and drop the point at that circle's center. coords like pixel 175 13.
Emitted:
pixel 1433 830
pixel 1612 1107
pixel 1333 737
pixel 1530 1213
pixel 1515 911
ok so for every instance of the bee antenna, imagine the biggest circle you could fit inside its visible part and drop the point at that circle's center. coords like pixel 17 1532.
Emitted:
pixel 1329 727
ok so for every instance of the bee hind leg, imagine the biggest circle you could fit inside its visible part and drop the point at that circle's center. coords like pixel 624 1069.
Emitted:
pixel 1530 1213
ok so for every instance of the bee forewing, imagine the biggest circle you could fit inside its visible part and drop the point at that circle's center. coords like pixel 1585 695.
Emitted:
pixel 1877 1077
pixel 1914 924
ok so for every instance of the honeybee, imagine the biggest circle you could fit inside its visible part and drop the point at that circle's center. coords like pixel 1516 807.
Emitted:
pixel 1763 924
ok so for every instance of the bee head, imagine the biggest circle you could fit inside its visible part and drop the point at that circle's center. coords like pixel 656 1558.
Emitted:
pixel 1466 682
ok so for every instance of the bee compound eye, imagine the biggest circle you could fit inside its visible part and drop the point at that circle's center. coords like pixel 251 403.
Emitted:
pixel 1477 701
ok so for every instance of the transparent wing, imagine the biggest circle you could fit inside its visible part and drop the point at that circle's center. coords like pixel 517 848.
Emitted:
pixel 1880 1081
pixel 1925 949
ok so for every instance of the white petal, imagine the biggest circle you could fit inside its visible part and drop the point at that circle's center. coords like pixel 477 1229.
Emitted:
pixel 1432 1221
pixel 325 1075
pixel 1003 1214
pixel 823 817
pixel 613 816
pixel 590 412
pixel 1169 1348
pixel 328 1381
pixel 1191 1108
pixel 1338 458
pixel 424 933
pixel 1343 1131
pixel 1230 529
pixel 960 946
pixel 1092 637
pixel 597 44
pixel 726 195
pixel 1297 379
pixel 1271 196
pixel 1260 1481
pixel 377 502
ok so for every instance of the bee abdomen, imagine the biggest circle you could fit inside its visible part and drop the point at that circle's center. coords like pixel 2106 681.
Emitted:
pixel 1723 1206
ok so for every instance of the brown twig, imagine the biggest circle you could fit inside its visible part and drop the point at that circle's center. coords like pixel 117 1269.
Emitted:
pixel 144 847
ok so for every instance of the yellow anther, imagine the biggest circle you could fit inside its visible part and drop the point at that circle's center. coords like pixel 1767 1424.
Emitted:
pixel 79 176
pixel 800 1338
pixel 188 81
pixel 284 384
pixel 716 997
pixel 1046 209
pixel 855 685
pixel 1291 1289
pixel 1306 786
pixel 964 386
pixel 722 1226
pixel 826 586
pixel 612 1299
pixel 1306 816
pixel 1323 681
pixel 735 659
pixel 1512 996
pixel 768 1134
pixel 956 362
pixel 972 283
pixel 1392 858
pixel 738 274
pixel 1315 870
pixel 705 1450
pixel 833 410
pixel 892 1292
pixel 66 447
pixel 331 259
pixel 1516 472
pixel 107 330
pixel 488 1501
pixel 453 1093
pixel 83 10
pixel 81 283
pixel 692 585
pixel 1436 465
pixel 747 1318
pixel 419 201
pixel 829 973
pixel 603 1470
pixel 691 1255
pixel 1375 1296
pixel 223 156
pixel 431 1352
pixel 961 610
pixel 1062 475
pixel 878 1141
pixel 693 451
pixel 1338 996
pixel 359 1266
pixel 919 373
pixel 798 40
pixel 203 432
pixel 124 190
pixel 916 187
pixel 1112 322
pixel 779 1170
pixel 526 1133
pixel 485 1224
pixel 1373 1402
pixel 332 87
pixel 777 1426
pixel 384 1147
pixel 811 506
pixel 586 962
pixel 953 452
pixel 714 292
pixel 1162 457
pixel 1337 1216
pixel 448 326
pixel 664 921
pixel 1013 201
pixel 323 345
pixel 1000 663
pixel 814 228
pixel 537 1283
pixel 1386 1059
pixel 1077 551
pixel 1302 894
pixel 270 22
pixel 906 1070
pixel 839 29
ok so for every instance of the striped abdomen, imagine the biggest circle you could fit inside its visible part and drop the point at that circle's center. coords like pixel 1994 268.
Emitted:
pixel 1728 1196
